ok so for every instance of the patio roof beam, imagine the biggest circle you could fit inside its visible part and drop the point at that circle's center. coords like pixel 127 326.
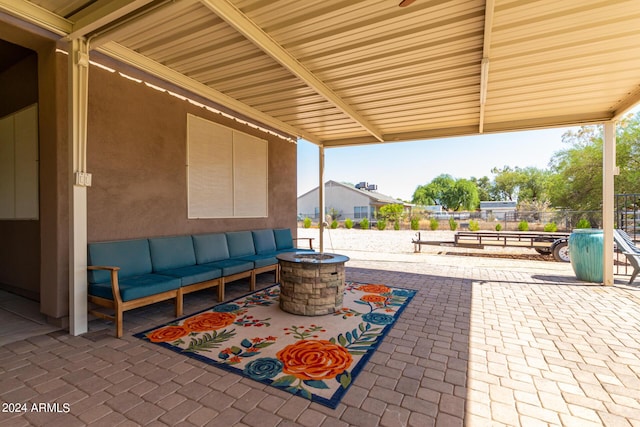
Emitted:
pixel 103 14
pixel 484 64
pixel 141 62
pixel 626 104
pixel 245 26
pixel 37 15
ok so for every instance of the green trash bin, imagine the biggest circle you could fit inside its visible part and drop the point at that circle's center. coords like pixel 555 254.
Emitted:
pixel 585 253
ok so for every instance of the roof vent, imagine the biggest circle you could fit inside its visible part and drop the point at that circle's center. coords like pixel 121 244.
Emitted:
pixel 372 187
pixel 362 185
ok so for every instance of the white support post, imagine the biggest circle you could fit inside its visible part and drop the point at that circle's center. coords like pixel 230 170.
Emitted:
pixel 609 170
pixel 77 100
pixel 321 195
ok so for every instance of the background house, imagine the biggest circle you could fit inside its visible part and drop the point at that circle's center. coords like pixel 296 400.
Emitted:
pixel 349 201
pixel 497 209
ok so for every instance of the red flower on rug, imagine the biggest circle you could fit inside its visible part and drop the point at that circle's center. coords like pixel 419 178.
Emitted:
pixel 314 359
pixel 374 289
pixel 168 334
pixel 209 321
pixel 373 298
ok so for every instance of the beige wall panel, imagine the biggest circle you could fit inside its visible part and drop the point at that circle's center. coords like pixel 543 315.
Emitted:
pixel 209 169
pixel 7 168
pixel 26 160
pixel 250 176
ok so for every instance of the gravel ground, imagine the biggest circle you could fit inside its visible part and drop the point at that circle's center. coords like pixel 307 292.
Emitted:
pixel 370 247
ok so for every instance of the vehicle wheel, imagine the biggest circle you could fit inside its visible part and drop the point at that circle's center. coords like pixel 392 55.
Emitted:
pixel 561 252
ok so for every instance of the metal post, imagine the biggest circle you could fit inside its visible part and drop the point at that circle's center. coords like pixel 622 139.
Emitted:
pixel 321 195
pixel 609 170
pixel 78 100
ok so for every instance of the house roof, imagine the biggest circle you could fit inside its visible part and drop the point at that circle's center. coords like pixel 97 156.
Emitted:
pixel 373 195
pixel 345 72
pixel 497 204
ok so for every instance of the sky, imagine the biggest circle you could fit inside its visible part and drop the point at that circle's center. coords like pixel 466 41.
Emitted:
pixel 398 168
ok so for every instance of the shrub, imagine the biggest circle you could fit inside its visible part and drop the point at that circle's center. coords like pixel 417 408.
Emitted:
pixel 523 225
pixel 453 225
pixel 396 225
pixel 474 225
pixel 306 223
pixel 583 223
pixel 364 224
pixel 415 223
pixel 334 224
pixel 382 224
pixel 498 227
pixel 434 224
pixel 551 227
pixel 348 223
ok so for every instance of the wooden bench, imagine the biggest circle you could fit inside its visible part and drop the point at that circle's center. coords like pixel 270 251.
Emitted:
pixel 128 274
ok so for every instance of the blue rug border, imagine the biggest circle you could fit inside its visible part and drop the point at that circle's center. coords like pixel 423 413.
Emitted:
pixel 334 401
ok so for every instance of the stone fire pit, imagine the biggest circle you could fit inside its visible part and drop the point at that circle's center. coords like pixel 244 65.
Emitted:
pixel 311 284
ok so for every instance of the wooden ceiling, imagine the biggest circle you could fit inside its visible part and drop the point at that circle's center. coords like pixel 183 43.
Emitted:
pixel 345 72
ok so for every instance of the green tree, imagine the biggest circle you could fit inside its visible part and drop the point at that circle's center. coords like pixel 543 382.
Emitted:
pixel 577 179
pixel 522 184
pixel 448 192
pixel 393 212
pixel 466 195
pixel 437 192
pixel 534 185
pixel 484 186
pixel 505 183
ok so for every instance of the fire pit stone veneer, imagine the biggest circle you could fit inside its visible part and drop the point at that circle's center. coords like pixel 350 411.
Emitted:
pixel 311 284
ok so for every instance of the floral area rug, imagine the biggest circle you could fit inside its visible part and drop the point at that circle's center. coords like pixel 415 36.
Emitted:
pixel 314 357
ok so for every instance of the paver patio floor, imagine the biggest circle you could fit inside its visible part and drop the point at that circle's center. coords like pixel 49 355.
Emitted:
pixel 483 343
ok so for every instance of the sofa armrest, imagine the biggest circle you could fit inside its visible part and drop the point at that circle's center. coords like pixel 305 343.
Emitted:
pixel 310 239
pixel 115 287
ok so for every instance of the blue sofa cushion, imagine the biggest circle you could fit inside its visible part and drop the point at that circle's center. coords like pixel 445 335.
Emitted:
pixel 231 266
pixel 210 247
pixel 262 260
pixel 283 238
pixel 171 252
pixel 193 274
pixel 132 256
pixel 264 241
pixel 240 244
pixel 134 287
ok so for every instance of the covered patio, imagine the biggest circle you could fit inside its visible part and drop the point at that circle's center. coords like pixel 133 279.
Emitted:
pixel 486 342
pixel 334 73
pixel 483 343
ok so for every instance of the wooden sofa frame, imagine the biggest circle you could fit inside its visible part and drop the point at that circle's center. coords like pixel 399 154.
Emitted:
pixel 119 306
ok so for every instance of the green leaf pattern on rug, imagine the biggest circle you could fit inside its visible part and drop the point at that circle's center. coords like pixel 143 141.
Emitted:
pixel 358 343
pixel 209 340
pixel 263 298
pixel 250 348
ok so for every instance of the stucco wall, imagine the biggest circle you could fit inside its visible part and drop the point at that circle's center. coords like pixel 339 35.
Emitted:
pixel 137 156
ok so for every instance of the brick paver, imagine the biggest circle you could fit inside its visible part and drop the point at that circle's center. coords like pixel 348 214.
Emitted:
pixel 484 342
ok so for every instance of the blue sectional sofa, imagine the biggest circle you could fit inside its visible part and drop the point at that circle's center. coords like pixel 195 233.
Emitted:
pixel 127 274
